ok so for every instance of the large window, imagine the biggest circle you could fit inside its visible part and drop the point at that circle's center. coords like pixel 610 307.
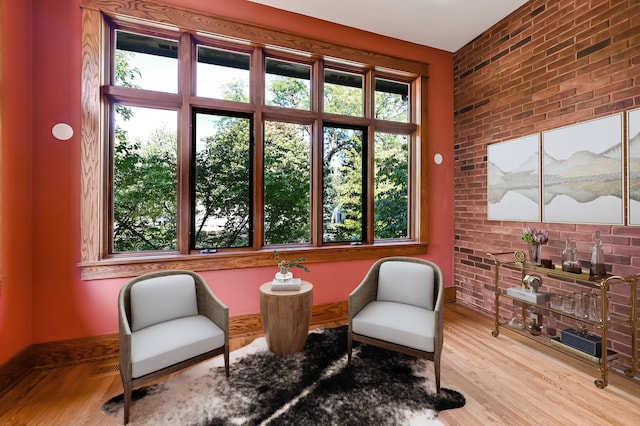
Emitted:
pixel 221 146
pixel 221 188
pixel 287 84
pixel 287 183
pixel 343 93
pixel 144 180
pixel 344 184
pixel 391 194
pixel 222 74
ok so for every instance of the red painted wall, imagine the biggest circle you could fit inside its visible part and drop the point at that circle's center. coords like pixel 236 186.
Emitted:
pixel 15 178
pixel 63 306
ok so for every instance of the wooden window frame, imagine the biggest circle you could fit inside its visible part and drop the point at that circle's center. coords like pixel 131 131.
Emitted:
pixel 96 263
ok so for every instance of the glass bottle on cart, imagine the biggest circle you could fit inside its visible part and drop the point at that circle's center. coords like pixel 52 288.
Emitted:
pixel 598 268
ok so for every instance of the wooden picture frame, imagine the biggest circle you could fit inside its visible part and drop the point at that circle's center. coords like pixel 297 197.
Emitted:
pixel 633 167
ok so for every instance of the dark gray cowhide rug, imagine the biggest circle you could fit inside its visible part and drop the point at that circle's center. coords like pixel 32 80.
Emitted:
pixel 312 387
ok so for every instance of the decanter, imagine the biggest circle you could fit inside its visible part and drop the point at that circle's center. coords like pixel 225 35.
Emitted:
pixel 598 268
pixel 570 258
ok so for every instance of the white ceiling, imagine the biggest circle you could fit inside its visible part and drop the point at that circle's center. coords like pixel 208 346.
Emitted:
pixel 443 24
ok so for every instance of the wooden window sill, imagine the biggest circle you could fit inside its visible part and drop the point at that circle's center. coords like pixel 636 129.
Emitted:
pixel 119 267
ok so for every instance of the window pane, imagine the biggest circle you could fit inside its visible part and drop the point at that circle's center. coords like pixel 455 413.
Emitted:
pixel 222 74
pixel 288 84
pixel 343 93
pixel 145 62
pixel 392 100
pixel 222 201
pixel 391 203
pixel 144 179
pixel 343 184
pixel 287 176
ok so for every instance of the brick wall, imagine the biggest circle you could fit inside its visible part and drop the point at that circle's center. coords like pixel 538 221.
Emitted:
pixel 547 65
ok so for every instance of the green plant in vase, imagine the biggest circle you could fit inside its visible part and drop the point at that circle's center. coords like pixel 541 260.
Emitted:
pixel 285 266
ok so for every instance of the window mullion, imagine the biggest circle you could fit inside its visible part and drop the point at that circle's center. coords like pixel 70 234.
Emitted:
pixel 256 94
pixel 369 94
pixel 369 108
pixel 256 72
pixel 317 141
pixel 186 60
pixel 368 180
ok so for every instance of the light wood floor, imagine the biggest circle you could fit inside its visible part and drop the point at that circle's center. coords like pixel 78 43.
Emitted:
pixel 508 380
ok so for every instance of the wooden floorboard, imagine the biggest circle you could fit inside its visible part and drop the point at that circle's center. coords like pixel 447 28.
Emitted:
pixel 507 380
pixel 511 380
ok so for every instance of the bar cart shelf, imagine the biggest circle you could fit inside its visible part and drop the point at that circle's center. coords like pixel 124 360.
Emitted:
pixel 516 261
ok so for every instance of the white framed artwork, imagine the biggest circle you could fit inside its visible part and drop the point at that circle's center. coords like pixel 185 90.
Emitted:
pixel 582 172
pixel 513 179
pixel 633 165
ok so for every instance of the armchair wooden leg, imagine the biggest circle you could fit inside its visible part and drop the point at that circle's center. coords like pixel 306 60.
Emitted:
pixel 349 343
pixel 436 367
pixel 226 361
pixel 127 401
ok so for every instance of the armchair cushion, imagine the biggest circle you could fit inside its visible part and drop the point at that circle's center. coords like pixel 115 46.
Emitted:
pixel 163 298
pixel 161 345
pixel 399 323
pixel 405 282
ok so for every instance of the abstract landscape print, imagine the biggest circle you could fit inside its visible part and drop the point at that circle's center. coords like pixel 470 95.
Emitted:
pixel 582 172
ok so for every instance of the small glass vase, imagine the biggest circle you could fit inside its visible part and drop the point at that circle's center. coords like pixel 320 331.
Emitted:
pixel 535 253
pixel 515 321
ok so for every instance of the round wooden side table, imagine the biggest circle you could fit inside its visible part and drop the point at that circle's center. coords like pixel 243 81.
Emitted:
pixel 286 316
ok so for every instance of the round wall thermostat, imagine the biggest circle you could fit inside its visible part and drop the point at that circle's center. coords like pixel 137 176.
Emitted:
pixel 62 131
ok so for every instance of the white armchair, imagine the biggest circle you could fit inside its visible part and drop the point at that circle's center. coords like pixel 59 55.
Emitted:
pixel 399 306
pixel 169 320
